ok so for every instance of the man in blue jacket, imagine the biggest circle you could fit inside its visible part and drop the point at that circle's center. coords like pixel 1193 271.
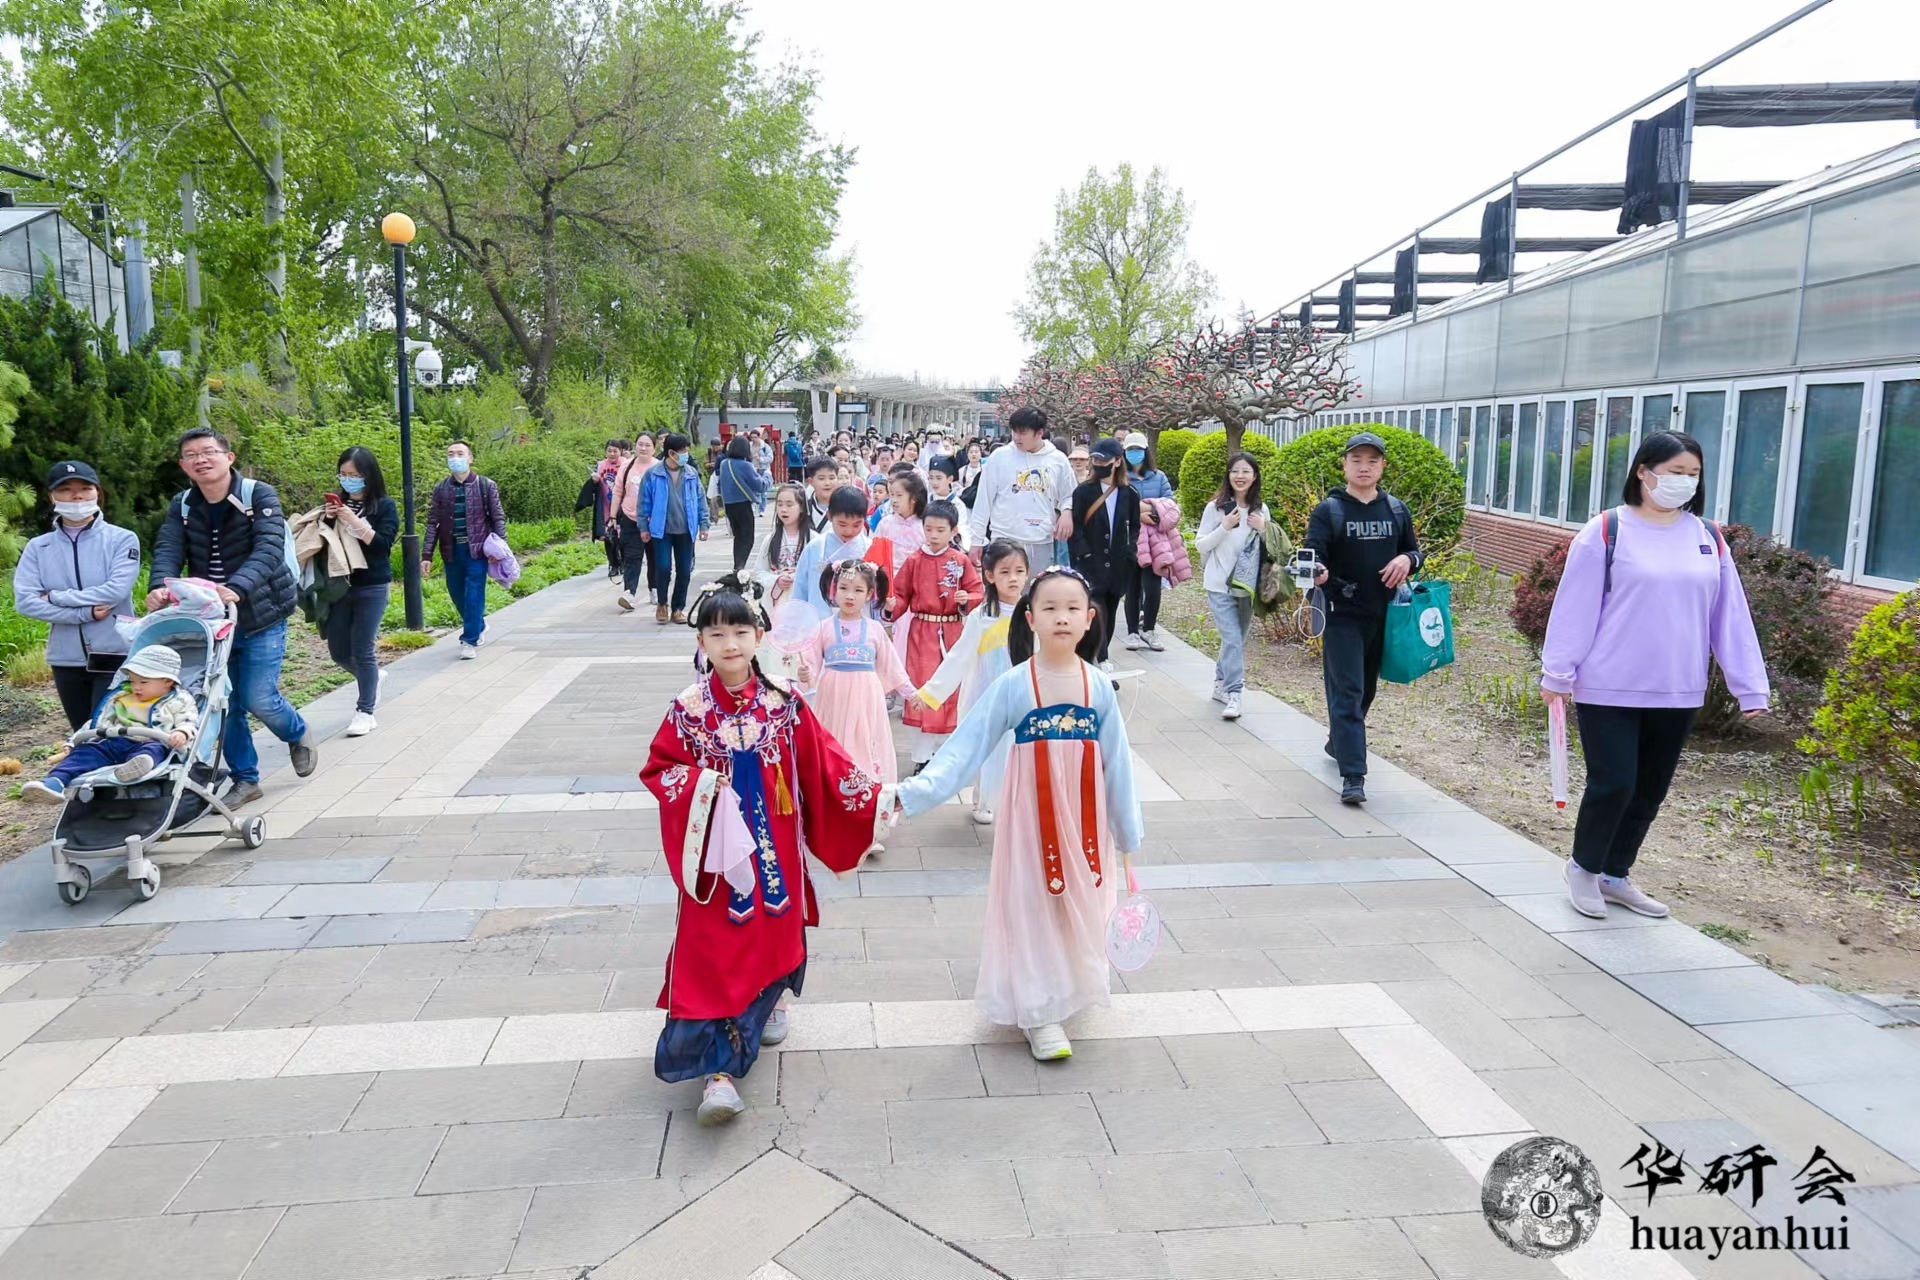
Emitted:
pixel 233 533
pixel 673 512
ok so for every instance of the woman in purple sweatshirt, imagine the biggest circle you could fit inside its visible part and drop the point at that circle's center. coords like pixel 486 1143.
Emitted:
pixel 1628 643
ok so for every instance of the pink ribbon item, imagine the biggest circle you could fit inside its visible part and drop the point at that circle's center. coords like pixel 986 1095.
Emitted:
pixel 730 846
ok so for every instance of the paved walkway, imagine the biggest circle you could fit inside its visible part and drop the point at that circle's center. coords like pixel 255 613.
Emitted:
pixel 411 1037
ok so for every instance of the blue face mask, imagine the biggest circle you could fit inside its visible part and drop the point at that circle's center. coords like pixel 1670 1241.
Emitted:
pixel 1136 456
pixel 352 484
pixel 458 465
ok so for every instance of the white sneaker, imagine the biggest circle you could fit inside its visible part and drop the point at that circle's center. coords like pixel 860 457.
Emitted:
pixel 1232 710
pixel 39 792
pixel 1629 895
pixel 776 1029
pixel 626 602
pixel 1219 692
pixel 1134 641
pixel 719 1102
pixel 1108 666
pixel 983 816
pixel 1049 1043
pixel 468 652
pixel 361 725
pixel 133 770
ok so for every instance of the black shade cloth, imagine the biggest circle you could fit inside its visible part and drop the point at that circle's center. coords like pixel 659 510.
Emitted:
pixel 1306 314
pixel 1345 323
pixel 1535 244
pixel 1653 170
pixel 1406 267
pixel 1496 231
pixel 1601 196
pixel 1749 106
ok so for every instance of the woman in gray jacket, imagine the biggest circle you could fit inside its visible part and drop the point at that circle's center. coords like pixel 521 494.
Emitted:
pixel 77 578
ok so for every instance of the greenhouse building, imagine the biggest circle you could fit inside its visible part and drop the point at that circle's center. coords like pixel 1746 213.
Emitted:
pixel 38 240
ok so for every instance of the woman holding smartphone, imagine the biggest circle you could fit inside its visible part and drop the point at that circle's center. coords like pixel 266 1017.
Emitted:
pixel 75 578
pixel 362 510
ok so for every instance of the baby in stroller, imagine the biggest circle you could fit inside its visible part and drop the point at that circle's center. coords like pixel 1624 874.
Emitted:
pixel 150 697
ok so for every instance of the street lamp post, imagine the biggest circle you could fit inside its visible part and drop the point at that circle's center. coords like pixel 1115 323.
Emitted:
pixel 398 229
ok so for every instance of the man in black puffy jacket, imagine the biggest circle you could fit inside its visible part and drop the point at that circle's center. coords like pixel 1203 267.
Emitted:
pixel 237 542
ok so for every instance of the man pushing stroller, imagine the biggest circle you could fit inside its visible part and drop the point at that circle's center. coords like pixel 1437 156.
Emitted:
pixel 149 697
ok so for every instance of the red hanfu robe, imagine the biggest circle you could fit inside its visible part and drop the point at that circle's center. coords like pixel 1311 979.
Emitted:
pixel 927 588
pixel 719 962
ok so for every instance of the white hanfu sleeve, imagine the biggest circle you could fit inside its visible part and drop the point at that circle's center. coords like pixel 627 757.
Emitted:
pixel 1123 800
pixel 960 663
pixel 959 759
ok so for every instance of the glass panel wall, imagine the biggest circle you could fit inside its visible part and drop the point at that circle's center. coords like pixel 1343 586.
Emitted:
pixel 1503 457
pixel 1533 339
pixel 1732 298
pixel 1472 339
pixel 1893 527
pixel 1580 482
pixel 1706 415
pixel 1482 454
pixel 1756 457
pixel 1613 324
pixel 1552 458
pixel 1463 440
pixel 1619 450
pixel 1823 496
pixel 1443 433
pixel 1656 414
pixel 1427 360
pixel 1524 455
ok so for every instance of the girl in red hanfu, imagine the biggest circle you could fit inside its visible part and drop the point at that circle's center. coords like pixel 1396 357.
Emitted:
pixel 1067 812
pixel 931 595
pixel 747 781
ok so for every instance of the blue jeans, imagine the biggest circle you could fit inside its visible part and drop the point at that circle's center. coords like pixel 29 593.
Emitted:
pixel 1232 618
pixel 253 671
pixel 467 584
pixel 673 568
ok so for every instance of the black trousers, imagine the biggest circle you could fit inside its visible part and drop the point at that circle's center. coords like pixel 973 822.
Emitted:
pixel 1143 597
pixel 1631 755
pixel 353 627
pixel 633 557
pixel 1107 604
pixel 1350 652
pixel 740 523
pixel 80 692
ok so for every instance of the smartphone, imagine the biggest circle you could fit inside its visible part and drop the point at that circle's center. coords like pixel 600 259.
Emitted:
pixel 333 499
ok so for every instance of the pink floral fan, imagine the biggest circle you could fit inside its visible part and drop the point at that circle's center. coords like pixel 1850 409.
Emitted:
pixel 1133 928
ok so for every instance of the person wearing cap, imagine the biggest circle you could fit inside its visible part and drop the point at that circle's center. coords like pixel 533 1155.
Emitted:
pixel 149 698
pixel 1106 531
pixel 1143 601
pixel 76 578
pixel 1362 537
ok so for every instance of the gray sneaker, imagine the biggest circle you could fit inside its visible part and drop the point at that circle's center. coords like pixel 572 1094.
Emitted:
pixel 1627 894
pixel 305 756
pixel 1583 890
pixel 776 1029
pixel 719 1102
pixel 240 793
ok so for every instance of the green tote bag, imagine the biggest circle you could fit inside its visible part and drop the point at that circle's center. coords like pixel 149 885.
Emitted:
pixel 1419 632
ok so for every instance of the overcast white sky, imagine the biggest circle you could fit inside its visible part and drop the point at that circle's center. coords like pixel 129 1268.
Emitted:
pixel 1304 134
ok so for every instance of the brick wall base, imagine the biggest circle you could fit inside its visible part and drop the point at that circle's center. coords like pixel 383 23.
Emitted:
pixel 1513 545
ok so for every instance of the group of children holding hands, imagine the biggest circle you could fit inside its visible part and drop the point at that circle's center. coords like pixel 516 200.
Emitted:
pixel 753 768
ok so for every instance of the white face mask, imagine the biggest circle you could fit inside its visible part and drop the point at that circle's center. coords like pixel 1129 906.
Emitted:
pixel 77 510
pixel 1670 493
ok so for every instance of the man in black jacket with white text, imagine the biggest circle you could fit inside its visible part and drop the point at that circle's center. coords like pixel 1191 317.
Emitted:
pixel 1363 539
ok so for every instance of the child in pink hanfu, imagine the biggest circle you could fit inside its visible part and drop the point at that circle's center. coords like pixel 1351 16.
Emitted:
pixel 852 668
pixel 903 525
pixel 1067 813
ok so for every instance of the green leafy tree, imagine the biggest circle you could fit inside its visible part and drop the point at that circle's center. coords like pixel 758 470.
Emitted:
pixel 1115 282
pixel 121 412
pixel 1417 473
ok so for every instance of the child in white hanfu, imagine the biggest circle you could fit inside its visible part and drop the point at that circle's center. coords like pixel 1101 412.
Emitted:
pixel 1067 813
pixel 979 657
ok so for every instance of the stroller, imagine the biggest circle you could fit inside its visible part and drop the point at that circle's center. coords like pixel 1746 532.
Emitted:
pixel 104 818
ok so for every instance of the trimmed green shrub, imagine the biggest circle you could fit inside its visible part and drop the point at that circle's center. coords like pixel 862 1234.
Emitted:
pixel 1869 725
pixel 300 457
pixel 538 481
pixel 1171 449
pixel 1417 473
pixel 1205 466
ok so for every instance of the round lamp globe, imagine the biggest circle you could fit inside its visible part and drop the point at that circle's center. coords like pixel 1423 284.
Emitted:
pixel 397 228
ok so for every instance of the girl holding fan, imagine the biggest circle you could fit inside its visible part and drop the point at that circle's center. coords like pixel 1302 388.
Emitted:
pixel 743 773
pixel 1068 812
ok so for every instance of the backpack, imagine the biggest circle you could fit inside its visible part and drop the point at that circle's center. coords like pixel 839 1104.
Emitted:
pixel 243 491
pixel 1610 534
